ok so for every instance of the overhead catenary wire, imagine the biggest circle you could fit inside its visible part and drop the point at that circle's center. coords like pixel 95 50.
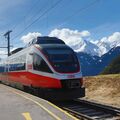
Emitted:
pixel 26 15
pixel 39 10
pixel 32 8
pixel 29 11
pixel 65 20
pixel 77 12
pixel 34 15
pixel 45 12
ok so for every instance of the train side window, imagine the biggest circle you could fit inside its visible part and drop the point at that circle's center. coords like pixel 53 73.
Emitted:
pixel 17 63
pixel 2 68
pixel 39 64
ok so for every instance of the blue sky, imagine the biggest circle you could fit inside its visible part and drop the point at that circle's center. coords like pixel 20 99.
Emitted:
pixel 100 19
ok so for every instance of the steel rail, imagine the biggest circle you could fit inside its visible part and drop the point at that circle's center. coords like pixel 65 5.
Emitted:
pixel 84 109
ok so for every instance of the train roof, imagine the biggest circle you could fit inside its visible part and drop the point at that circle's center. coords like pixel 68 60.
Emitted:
pixel 44 43
pixel 53 46
pixel 49 42
pixel 46 40
pixel 16 50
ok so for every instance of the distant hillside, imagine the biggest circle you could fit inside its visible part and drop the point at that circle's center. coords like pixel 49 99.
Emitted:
pixel 113 67
pixel 94 65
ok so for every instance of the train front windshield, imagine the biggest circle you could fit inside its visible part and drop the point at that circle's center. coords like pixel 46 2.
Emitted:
pixel 63 60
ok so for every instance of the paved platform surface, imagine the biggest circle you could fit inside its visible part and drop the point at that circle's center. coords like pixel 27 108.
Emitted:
pixel 18 105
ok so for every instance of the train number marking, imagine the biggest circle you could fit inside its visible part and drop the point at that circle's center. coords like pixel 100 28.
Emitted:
pixel 71 76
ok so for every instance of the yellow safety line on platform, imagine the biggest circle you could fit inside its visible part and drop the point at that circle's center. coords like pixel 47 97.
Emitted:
pixel 65 112
pixel 27 116
pixel 47 109
pixel 52 114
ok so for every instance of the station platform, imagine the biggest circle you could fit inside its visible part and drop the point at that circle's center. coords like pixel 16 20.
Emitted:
pixel 18 105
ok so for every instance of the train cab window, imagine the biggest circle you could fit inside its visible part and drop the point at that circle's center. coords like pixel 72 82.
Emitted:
pixel 39 64
pixel 63 60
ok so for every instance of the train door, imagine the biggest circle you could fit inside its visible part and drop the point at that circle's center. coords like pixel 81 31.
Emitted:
pixel 29 61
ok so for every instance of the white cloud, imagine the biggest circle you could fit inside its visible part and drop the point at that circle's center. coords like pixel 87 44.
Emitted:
pixel 70 37
pixel 85 33
pixel 3 54
pixel 77 40
pixel 30 36
pixel 65 32
pixel 114 37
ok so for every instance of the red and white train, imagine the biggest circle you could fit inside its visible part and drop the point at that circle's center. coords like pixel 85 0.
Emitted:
pixel 46 66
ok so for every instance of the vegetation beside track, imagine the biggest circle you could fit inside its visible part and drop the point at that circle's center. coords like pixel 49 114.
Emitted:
pixel 104 88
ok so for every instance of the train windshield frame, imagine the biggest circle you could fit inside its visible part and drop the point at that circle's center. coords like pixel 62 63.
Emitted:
pixel 63 60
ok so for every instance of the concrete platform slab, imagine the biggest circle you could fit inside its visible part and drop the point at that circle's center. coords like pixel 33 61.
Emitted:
pixel 18 105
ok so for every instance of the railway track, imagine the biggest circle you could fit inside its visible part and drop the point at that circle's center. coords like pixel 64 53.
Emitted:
pixel 86 110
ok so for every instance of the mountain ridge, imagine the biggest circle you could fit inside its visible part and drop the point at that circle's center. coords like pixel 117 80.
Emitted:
pixel 94 65
pixel 99 47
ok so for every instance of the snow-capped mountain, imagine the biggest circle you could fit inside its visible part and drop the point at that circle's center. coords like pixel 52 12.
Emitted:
pixel 94 65
pixel 85 46
pixel 82 42
pixel 99 47
pixel 105 44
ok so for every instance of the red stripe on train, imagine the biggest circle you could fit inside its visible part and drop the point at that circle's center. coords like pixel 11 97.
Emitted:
pixel 27 78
